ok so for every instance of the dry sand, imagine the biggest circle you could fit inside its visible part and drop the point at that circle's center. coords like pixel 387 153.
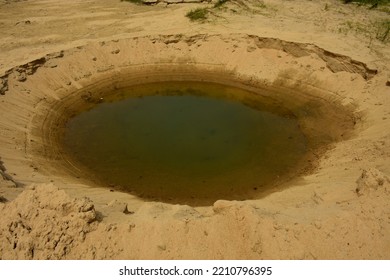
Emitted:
pixel 54 52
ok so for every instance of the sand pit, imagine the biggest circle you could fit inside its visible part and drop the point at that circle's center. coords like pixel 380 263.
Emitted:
pixel 337 208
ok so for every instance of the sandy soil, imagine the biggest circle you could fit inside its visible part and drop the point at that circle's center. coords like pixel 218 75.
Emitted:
pixel 54 52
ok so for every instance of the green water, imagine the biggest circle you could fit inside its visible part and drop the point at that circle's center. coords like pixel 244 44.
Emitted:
pixel 187 143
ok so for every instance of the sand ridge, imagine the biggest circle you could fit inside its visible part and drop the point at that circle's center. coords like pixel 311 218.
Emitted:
pixel 339 211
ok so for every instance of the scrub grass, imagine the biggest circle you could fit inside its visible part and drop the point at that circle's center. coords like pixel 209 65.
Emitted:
pixel 198 14
pixel 372 3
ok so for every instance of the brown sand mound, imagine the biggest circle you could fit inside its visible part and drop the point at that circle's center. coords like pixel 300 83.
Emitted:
pixel 44 223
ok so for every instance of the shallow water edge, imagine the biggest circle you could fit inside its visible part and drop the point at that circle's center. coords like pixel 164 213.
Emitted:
pixel 322 121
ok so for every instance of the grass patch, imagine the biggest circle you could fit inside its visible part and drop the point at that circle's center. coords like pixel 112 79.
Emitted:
pixel 379 30
pixel 198 14
pixel 220 3
pixel 221 7
pixel 383 30
pixel 372 3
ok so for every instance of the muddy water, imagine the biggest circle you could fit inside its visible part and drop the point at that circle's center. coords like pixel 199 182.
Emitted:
pixel 185 142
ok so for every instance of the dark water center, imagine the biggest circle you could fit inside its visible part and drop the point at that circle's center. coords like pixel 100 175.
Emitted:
pixel 184 143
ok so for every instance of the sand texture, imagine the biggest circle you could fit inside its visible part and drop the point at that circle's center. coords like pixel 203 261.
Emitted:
pixel 326 60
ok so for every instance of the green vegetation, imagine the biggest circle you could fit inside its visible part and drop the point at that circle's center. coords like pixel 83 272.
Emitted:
pixel 373 3
pixel 379 30
pixel 383 30
pixel 220 3
pixel 198 14
pixel 230 6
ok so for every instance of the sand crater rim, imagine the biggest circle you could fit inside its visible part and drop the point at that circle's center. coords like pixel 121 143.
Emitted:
pixel 320 122
pixel 69 83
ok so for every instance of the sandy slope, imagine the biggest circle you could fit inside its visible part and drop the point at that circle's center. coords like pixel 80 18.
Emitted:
pixel 52 52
